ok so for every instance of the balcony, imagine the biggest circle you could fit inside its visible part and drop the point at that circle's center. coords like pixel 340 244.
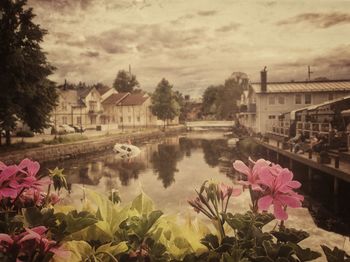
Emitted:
pixel 93 111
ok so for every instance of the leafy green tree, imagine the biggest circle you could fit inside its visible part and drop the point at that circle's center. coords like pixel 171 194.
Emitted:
pixel 209 100
pixel 164 102
pixel 26 94
pixel 125 82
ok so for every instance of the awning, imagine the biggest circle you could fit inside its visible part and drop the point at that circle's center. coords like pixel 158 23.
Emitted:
pixel 345 112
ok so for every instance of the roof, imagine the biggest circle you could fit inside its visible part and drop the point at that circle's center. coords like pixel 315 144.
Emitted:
pixel 317 106
pixel 133 100
pixel 83 92
pixel 102 89
pixel 113 99
pixel 310 86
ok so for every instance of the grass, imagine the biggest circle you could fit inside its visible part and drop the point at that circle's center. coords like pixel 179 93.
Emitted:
pixel 58 140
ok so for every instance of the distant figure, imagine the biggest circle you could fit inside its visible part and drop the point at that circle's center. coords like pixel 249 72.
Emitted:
pixel 292 129
pixel 319 145
pixel 299 143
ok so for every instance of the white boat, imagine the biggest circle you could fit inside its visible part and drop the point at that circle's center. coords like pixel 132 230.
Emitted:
pixel 125 151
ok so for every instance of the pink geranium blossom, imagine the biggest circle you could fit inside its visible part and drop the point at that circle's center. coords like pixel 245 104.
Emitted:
pixel 8 185
pixel 251 173
pixel 29 241
pixel 225 191
pixel 279 191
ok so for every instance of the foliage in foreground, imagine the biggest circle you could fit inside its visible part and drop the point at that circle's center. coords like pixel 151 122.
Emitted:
pixel 35 227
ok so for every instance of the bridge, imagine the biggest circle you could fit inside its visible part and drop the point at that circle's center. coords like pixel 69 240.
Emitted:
pixel 202 125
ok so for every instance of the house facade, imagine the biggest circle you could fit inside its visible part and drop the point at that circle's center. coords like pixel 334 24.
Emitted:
pixel 81 107
pixel 104 109
pixel 276 98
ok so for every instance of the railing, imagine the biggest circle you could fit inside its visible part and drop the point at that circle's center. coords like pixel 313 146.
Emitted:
pixel 280 128
pixel 311 129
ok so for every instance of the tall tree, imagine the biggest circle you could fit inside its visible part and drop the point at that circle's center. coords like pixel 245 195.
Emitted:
pixel 164 104
pixel 26 94
pixel 125 82
pixel 209 100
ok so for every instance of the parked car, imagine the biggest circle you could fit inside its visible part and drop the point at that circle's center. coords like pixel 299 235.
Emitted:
pixel 67 128
pixel 78 129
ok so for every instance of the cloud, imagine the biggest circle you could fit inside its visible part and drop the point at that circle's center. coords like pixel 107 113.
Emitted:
pixel 319 20
pixel 227 28
pixel 182 19
pixel 332 64
pixel 207 13
pixel 90 54
pixel 63 5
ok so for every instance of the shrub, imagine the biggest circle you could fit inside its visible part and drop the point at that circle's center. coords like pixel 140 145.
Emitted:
pixel 25 133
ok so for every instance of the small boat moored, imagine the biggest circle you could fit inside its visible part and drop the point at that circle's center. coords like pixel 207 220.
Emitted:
pixel 125 151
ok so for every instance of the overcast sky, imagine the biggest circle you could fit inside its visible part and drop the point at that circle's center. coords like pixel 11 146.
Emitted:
pixel 195 43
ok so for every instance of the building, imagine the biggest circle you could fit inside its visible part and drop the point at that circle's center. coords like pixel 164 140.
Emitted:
pixel 80 107
pixel 266 101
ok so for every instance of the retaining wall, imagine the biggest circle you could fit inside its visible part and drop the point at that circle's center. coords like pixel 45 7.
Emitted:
pixel 70 150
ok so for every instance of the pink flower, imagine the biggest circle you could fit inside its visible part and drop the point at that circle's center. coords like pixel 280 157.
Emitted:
pixel 8 185
pixel 29 167
pixel 252 174
pixel 279 188
pixel 225 191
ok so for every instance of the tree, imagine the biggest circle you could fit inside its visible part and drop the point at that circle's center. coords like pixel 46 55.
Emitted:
pixel 26 94
pixel 164 104
pixel 209 100
pixel 125 82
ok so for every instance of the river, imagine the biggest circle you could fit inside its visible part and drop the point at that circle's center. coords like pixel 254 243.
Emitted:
pixel 169 170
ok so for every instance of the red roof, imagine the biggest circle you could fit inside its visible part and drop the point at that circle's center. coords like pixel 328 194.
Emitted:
pixel 114 98
pixel 133 100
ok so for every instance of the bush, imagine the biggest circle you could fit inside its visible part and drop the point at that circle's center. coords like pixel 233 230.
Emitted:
pixel 25 133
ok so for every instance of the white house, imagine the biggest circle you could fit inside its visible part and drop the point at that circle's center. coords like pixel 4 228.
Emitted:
pixel 275 98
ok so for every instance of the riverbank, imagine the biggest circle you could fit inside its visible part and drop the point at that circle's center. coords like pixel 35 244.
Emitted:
pixel 61 151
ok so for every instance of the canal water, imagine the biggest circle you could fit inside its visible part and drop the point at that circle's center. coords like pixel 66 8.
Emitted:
pixel 169 170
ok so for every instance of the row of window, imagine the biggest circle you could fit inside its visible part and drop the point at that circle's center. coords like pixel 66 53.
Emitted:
pixel 298 99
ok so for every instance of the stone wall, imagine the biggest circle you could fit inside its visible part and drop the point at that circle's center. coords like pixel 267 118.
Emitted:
pixel 71 150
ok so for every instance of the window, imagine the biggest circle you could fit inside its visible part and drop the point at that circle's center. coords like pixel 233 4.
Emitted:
pixel 281 100
pixel 93 105
pixel 128 109
pixel 298 99
pixel 79 120
pixel 307 98
pixel 64 106
pixel 272 117
pixel 330 96
pixel 121 119
pixel 138 119
pixel 129 119
pixel 271 100
pixel 64 120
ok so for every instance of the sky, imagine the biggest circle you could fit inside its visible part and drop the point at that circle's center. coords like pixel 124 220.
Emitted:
pixel 194 43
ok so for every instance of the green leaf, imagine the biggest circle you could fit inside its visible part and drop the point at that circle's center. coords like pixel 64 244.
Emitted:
pixel 304 254
pixel 335 255
pixel 113 249
pixel 75 221
pixel 210 241
pixel 143 204
pixel 290 235
pixel 79 251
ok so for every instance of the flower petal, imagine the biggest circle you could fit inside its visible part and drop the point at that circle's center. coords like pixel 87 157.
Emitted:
pixel 288 200
pixel 6 238
pixel 265 202
pixel 241 167
pixel 266 178
pixel 278 211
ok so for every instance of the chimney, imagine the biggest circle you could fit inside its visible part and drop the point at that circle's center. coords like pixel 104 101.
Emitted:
pixel 263 80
